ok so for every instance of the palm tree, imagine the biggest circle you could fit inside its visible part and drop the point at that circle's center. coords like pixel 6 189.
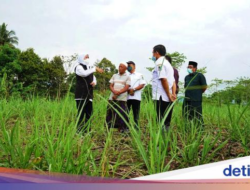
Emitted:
pixel 7 36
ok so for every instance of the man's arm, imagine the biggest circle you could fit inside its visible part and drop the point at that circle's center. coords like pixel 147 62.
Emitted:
pixel 204 89
pixel 141 86
pixel 166 73
pixel 203 83
pixel 132 91
pixel 111 87
pixel 165 85
pixel 125 89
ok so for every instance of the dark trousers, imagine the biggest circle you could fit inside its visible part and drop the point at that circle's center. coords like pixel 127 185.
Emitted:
pixel 193 110
pixel 135 105
pixel 117 115
pixel 162 108
pixel 84 112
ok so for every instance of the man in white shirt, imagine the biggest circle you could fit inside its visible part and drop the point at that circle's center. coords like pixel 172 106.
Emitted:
pixel 85 81
pixel 163 84
pixel 134 92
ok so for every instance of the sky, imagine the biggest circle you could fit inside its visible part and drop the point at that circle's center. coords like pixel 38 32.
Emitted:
pixel 214 33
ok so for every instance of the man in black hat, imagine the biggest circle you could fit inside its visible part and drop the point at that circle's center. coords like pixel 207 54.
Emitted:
pixel 195 85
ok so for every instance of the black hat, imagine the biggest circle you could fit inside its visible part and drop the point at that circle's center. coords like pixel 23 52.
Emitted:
pixel 130 62
pixel 193 63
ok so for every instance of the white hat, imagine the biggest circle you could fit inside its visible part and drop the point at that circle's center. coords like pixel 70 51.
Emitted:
pixel 124 63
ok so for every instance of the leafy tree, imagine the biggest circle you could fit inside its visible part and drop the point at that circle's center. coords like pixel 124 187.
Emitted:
pixel 177 59
pixel 56 75
pixel 9 68
pixel 69 63
pixel 237 91
pixel 202 70
pixel 33 76
pixel 71 82
pixel 103 79
pixel 7 36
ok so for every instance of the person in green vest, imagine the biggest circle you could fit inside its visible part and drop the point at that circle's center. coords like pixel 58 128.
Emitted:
pixel 195 85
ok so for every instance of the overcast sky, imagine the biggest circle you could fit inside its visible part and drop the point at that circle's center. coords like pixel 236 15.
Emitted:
pixel 215 33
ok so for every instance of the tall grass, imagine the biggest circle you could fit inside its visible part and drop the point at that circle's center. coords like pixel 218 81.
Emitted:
pixel 40 134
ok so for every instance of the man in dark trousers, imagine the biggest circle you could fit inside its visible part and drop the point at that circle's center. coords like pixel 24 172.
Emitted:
pixel 163 84
pixel 85 81
pixel 134 92
pixel 195 85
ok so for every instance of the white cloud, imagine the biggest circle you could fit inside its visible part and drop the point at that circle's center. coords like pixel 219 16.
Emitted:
pixel 214 33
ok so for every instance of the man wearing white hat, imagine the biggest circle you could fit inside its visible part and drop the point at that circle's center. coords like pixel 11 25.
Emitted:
pixel 119 85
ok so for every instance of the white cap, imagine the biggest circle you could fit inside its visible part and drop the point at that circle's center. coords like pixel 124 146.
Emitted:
pixel 124 63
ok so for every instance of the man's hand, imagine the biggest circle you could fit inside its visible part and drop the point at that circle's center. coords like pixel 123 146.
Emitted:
pixel 99 70
pixel 171 97
pixel 114 97
pixel 116 92
pixel 131 92
pixel 174 96
pixel 93 84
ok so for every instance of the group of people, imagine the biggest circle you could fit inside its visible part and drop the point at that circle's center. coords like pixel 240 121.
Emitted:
pixel 126 90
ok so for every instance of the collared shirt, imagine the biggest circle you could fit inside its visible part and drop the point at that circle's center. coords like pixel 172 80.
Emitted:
pixel 120 81
pixel 194 84
pixel 163 69
pixel 136 80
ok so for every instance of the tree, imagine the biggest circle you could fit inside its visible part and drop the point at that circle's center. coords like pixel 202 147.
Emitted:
pixel 177 59
pixel 237 91
pixel 9 69
pixel 103 79
pixel 202 70
pixel 71 82
pixel 33 76
pixel 7 36
pixel 217 82
pixel 69 62
pixel 56 75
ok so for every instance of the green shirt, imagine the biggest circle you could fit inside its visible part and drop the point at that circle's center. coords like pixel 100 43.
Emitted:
pixel 194 85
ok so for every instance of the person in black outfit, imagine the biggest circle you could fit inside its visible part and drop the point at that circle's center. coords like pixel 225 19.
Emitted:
pixel 85 81
pixel 195 85
pixel 163 85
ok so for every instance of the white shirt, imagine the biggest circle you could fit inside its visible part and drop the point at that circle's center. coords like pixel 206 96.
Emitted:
pixel 163 69
pixel 84 73
pixel 136 80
